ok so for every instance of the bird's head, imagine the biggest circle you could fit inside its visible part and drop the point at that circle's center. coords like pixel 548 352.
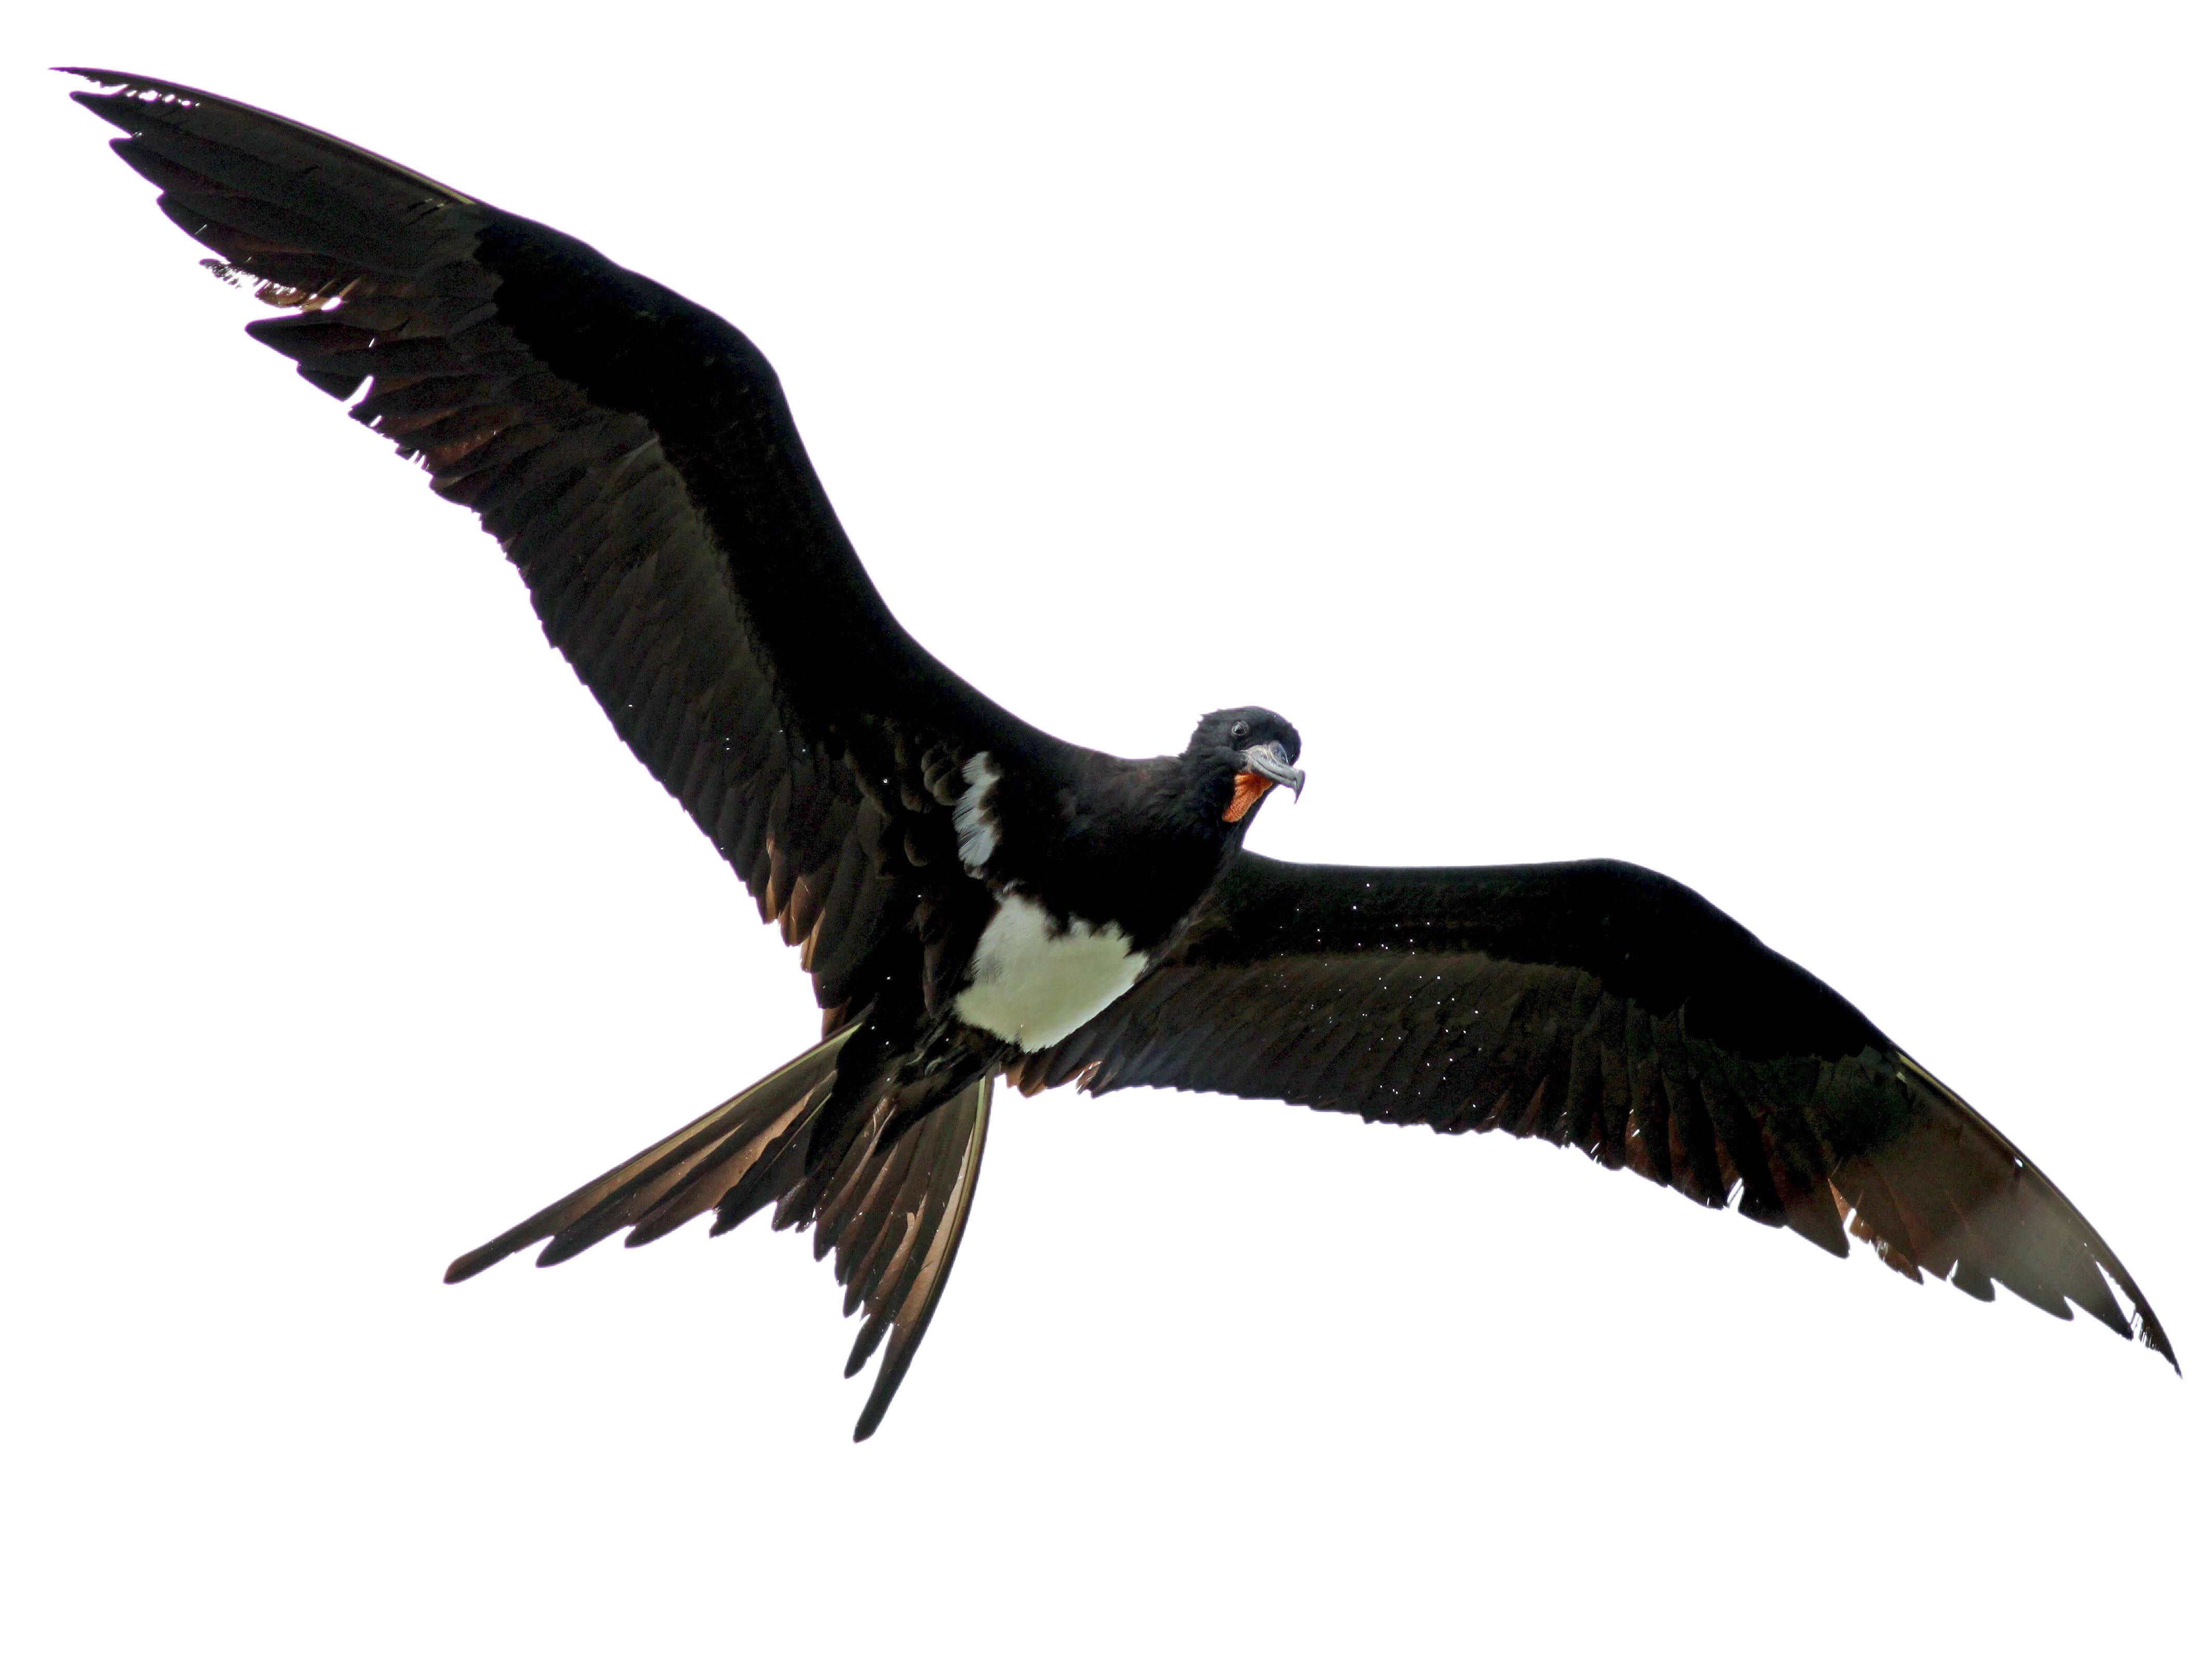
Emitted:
pixel 1254 748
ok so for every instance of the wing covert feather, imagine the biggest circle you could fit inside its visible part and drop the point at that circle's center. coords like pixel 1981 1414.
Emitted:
pixel 1601 1006
pixel 636 458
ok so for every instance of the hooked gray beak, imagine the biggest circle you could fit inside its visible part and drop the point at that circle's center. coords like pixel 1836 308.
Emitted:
pixel 1271 762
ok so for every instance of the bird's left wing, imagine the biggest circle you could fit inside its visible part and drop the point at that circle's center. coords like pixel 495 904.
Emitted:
pixel 635 456
pixel 1598 1005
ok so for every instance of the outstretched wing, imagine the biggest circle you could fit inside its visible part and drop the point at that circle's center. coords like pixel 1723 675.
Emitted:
pixel 1598 1005
pixel 636 458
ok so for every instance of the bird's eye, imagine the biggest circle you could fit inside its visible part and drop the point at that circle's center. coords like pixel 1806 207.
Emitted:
pixel 1240 730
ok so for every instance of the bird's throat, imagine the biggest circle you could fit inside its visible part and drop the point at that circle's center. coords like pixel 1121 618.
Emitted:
pixel 1251 788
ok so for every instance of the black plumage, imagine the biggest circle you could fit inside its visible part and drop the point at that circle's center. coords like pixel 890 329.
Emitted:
pixel 1598 1005
pixel 974 897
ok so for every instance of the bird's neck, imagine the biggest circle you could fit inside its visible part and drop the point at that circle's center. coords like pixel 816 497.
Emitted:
pixel 1140 850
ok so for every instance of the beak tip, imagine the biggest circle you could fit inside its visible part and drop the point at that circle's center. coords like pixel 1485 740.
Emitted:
pixel 1269 761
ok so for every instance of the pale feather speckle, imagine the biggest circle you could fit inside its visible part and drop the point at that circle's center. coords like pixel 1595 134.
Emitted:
pixel 979 836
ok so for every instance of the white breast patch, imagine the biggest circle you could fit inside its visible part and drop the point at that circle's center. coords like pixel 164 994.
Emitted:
pixel 1034 982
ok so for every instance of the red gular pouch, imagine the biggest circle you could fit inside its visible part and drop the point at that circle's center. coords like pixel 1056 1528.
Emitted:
pixel 1251 788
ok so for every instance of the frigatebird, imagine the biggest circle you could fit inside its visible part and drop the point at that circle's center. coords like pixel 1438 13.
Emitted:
pixel 975 899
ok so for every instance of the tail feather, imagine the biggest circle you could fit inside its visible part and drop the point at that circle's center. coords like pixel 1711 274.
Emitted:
pixel 887 1190
pixel 959 1127
pixel 707 1179
pixel 656 1182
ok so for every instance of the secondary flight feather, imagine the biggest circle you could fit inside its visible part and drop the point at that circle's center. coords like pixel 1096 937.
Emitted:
pixel 975 899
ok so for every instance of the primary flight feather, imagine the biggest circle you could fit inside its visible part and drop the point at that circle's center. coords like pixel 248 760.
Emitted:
pixel 974 898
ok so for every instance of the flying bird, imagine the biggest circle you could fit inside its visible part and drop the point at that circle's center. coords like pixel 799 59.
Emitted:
pixel 975 899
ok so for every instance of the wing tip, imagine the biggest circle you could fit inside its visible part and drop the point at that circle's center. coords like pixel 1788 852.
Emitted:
pixel 117 86
pixel 109 85
pixel 2138 1323
pixel 2127 1312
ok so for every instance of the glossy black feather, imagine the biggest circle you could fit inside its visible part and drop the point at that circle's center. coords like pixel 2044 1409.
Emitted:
pixel 636 458
pixel 1601 1006
pixel 894 1214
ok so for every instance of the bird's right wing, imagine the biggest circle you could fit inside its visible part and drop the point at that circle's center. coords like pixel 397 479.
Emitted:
pixel 1601 1006
pixel 636 458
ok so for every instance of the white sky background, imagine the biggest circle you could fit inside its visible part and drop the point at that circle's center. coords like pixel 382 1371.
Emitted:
pixel 1763 443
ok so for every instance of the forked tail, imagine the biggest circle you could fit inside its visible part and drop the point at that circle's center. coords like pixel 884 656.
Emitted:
pixel 894 1209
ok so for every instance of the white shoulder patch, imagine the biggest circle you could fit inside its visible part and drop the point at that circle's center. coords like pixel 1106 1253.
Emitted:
pixel 979 836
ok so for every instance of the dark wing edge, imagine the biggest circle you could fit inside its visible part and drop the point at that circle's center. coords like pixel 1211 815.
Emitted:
pixel 894 1212
pixel 636 458
pixel 1598 1005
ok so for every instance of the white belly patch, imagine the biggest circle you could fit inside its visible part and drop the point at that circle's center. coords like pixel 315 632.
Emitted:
pixel 1035 983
